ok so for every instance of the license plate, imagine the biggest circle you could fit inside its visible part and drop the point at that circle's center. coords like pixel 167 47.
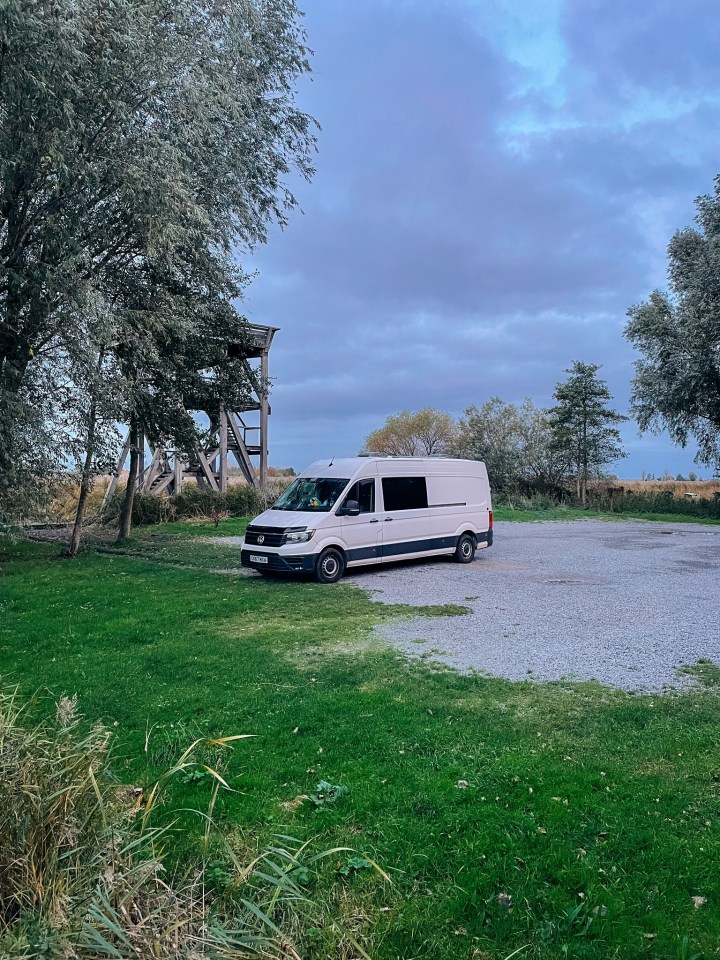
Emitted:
pixel 254 558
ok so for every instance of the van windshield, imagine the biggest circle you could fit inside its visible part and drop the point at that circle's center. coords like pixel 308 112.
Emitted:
pixel 317 494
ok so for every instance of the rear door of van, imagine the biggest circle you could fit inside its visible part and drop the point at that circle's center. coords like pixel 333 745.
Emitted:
pixel 405 516
pixel 455 501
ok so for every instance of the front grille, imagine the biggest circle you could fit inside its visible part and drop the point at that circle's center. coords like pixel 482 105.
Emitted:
pixel 272 537
pixel 278 564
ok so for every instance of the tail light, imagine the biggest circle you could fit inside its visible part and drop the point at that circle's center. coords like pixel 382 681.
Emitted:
pixel 490 520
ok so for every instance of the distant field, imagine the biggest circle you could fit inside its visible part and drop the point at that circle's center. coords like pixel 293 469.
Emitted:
pixel 706 489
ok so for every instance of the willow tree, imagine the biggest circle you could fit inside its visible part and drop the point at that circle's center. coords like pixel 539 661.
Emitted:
pixel 515 442
pixel 142 144
pixel 677 379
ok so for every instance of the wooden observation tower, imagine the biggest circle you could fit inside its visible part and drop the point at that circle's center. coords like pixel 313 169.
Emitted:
pixel 232 432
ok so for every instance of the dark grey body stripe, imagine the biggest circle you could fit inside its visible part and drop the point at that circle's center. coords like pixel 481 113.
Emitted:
pixel 364 553
pixel 412 546
pixel 418 546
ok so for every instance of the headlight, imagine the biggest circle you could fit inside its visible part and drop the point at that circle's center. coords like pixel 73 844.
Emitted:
pixel 298 536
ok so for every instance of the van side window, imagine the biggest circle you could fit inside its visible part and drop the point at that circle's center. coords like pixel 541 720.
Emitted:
pixel 404 493
pixel 364 492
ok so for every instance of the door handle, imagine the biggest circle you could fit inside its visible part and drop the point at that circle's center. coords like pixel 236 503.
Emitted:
pixel 375 521
pixel 388 519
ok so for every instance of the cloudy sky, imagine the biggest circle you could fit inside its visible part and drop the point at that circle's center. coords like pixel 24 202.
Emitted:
pixel 497 181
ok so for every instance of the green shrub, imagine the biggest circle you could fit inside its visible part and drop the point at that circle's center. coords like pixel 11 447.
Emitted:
pixel 654 501
pixel 240 500
pixel 616 500
pixel 527 500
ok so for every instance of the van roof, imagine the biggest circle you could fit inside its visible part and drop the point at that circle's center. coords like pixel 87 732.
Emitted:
pixel 348 466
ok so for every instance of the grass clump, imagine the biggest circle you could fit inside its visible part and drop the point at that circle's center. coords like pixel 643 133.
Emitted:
pixel 704 672
pixel 81 874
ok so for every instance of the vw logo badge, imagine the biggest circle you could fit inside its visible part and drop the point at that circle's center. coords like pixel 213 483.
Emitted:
pixel 261 539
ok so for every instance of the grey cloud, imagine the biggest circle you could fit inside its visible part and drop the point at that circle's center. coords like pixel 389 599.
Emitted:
pixel 663 47
pixel 437 263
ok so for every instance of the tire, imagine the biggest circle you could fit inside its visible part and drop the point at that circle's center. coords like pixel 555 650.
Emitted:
pixel 330 566
pixel 465 549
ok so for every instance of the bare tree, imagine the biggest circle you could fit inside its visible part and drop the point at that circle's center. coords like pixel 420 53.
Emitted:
pixel 406 434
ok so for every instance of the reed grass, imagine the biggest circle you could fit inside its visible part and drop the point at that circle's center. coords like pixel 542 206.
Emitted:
pixel 81 861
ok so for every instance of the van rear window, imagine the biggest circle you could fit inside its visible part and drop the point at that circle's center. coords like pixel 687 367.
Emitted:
pixel 404 493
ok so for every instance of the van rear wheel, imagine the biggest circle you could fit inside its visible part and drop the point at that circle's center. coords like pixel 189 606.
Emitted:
pixel 330 566
pixel 465 549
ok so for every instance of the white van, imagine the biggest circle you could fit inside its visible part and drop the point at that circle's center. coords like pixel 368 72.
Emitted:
pixel 360 510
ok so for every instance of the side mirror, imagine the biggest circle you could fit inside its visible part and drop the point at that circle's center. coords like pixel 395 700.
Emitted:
pixel 351 508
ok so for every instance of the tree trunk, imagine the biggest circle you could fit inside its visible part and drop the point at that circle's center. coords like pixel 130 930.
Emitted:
pixel 84 490
pixel 125 524
pixel 584 455
pixel 86 471
pixel 578 472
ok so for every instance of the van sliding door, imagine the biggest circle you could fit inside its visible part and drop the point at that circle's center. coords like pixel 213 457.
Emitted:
pixel 405 517
pixel 362 534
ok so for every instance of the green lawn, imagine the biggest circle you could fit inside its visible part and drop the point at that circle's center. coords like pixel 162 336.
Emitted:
pixel 597 812
pixel 578 513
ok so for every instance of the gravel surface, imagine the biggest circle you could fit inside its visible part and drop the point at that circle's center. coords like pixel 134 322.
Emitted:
pixel 625 603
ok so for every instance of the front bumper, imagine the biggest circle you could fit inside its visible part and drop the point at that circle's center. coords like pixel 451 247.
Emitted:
pixel 276 563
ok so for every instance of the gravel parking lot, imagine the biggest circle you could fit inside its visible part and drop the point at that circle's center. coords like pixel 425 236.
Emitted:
pixel 625 603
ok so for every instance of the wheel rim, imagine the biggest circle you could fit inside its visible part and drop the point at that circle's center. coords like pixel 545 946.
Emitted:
pixel 330 566
pixel 466 548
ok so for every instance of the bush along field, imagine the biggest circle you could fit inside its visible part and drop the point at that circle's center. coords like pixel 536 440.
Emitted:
pixel 467 817
pixel 240 500
pixel 673 500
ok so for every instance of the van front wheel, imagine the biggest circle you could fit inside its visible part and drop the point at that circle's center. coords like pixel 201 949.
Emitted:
pixel 330 566
pixel 465 549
